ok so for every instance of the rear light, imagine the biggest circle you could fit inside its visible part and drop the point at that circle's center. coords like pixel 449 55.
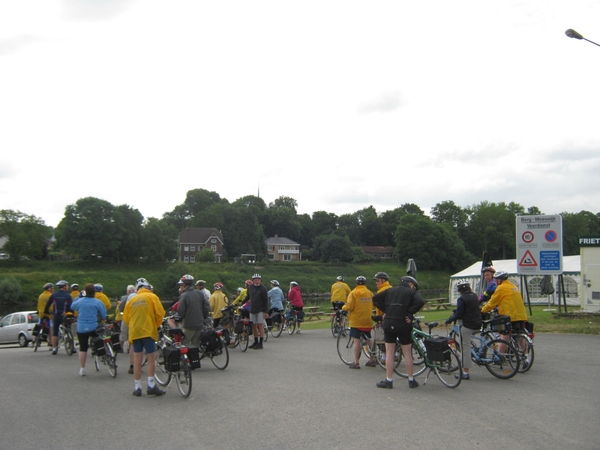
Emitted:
pixel 220 333
pixel 183 350
pixel 531 335
pixel 450 341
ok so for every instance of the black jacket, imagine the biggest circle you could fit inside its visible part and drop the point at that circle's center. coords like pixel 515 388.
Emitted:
pixel 398 303
pixel 467 309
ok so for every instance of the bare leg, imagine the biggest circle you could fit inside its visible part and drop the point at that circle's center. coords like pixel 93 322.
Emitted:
pixel 390 353
pixel 408 360
pixel 357 350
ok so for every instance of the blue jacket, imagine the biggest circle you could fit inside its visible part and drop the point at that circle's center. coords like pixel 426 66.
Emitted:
pixel 276 297
pixel 91 310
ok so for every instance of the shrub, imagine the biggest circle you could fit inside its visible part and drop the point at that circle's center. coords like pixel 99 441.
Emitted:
pixel 10 290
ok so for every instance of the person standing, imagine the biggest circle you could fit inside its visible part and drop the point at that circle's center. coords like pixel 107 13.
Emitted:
pixel 205 292
pixel 193 308
pixel 60 301
pixel 217 302
pixel 467 311
pixel 102 296
pixel 508 300
pixel 295 298
pixel 488 273
pixel 259 308
pixel 399 304
pixel 360 309
pixel 89 310
pixel 48 289
pixel 276 297
pixel 143 314
pixel 124 335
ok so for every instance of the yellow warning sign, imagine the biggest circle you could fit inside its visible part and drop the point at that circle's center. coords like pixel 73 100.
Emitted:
pixel 528 260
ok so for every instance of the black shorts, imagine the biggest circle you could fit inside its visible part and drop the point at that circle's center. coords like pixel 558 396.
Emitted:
pixel 84 340
pixel 402 332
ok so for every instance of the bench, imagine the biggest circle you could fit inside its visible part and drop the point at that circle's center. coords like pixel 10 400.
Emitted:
pixel 311 312
pixel 437 303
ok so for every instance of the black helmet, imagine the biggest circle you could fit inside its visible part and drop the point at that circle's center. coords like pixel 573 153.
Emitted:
pixel 463 286
pixel 381 275
pixel 361 280
pixel 412 280
pixel 501 275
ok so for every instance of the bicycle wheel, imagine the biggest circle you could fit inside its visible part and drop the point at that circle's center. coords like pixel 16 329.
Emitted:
pixel 449 372
pixel 184 378
pixel 244 337
pixel 266 333
pixel 232 340
pixel 220 358
pixel 336 326
pixel 276 329
pixel 524 346
pixel 502 364
pixel 380 355
pixel 400 363
pixel 111 362
pixel 69 343
pixel 161 374
pixel 37 342
pixel 291 326
pixel 97 362
pixel 345 347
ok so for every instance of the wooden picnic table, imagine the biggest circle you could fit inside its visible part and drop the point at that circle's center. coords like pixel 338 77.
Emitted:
pixel 311 312
pixel 437 303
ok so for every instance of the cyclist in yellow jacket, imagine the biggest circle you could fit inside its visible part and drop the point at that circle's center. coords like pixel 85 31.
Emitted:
pixel 508 300
pixel 102 296
pixel 48 289
pixel 360 309
pixel 217 302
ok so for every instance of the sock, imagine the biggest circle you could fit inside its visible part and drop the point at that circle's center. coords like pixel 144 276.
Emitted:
pixel 389 379
pixel 256 340
pixel 137 385
pixel 150 382
pixel 260 341
pixel 411 379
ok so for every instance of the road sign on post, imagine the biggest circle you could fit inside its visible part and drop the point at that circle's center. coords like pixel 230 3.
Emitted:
pixel 539 245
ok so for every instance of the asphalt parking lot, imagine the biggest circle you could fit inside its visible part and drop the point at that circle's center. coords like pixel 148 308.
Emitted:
pixel 297 394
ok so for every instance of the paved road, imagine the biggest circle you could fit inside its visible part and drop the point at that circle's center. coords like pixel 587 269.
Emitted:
pixel 296 394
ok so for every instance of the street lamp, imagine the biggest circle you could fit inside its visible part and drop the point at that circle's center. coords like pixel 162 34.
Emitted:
pixel 574 34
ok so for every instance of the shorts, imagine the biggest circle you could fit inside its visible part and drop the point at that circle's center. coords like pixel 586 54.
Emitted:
pixel 356 332
pixel 403 333
pixel 147 344
pixel 337 305
pixel 258 318
pixel 84 340
pixel 56 324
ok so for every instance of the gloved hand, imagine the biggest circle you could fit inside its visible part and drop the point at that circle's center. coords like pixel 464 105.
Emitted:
pixel 447 322
pixel 481 298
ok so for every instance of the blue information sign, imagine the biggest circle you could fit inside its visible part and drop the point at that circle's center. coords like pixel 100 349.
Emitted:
pixel 550 260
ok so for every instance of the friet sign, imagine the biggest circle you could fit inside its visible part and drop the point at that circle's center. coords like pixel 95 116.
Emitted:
pixel 539 245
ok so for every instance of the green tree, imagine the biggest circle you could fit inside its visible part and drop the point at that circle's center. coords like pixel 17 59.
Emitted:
pixel 206 256
pixel 26 235
pixel 128 225
pixel 159 240
pixel 372 231
pixel 284 202
pixel 449 212
pixel 283 222
pixel 196 201
pixel 333 247
pixel 583 223
pixel 10 290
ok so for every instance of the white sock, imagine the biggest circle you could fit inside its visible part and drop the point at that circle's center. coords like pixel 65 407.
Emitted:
pixel 138 384
pixel 150 382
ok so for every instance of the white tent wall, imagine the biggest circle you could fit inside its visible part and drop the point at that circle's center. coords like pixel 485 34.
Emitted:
pixel 571 279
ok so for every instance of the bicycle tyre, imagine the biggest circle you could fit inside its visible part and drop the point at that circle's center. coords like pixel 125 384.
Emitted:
pixel 449 372
pixel 400 367
pixel 161 374
pixel 291 326
pixel 266 333
pixel 277 328
pixel 220 358
pixel 524 346
pixel 184 378
pixel 380 355
pixel 244 337
pixel 69 343
pixel 97 362
pixel 111 362
pixel 336 326
pixel 503 365
pixel 345 347
pixel 37 343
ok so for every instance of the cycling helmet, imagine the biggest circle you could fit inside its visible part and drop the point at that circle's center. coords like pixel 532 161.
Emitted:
pixel 140 283
pixel 218 286
pixel 180 283
pixel 501 275
pixel 255 276
pixel 47 286
pixel 240 289
pixel 98 287
pixel 74 286
pixel 248 282
pixel 361 280
pixel 200 282
pixel 412 280
pixel 293 283
pixel 187 279
pixel 340 278
pixel 275 282
pixel 61 283
pixel 488 269
pixel 463 286
pixel 381 275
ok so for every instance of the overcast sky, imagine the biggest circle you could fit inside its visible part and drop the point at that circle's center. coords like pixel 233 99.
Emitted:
pixel 337 104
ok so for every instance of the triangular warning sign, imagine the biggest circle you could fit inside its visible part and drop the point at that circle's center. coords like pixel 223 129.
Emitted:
pixel 528 260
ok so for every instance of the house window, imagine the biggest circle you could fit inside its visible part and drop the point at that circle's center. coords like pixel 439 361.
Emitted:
pixel 270 256
pixel 186 248
pixel 281 248
pixel 186 259
pixel 213 241
pixel 214 248
pixel 287 257
pixel 269 248
pixel 192 259
pixel 192 248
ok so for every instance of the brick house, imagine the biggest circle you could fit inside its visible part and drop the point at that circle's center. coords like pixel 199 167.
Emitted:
pixel 282 249
pixel 379 252
pixel 194 240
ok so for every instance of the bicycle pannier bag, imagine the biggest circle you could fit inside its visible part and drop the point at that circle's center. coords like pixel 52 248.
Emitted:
pixel 269 321
pixel 194 356
pixel 239 327
pixel 500 323
pixel 171 355
pixel 437 348
pixel 276 317
pixel 114 340
pixel 98 346
pixel 211 339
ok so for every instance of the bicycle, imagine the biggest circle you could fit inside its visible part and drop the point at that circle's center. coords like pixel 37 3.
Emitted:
pixel 103 350
pixel 498 356
pixel 174 360
pixel 291 318
pixel 438 354
pixel 228 321
pixel 41 331
pixel 500 327
pixel 337 319
pixel 277 323
pixel 65 335
pixel 214 347
pixel 345 344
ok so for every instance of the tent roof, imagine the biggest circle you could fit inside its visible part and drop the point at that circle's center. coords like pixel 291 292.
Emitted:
pixel 571 264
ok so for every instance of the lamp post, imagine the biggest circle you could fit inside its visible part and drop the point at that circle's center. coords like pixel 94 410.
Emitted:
pixel 574 34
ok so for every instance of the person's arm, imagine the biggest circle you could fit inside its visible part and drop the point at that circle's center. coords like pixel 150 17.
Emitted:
pixel 459 312
pixel 416 305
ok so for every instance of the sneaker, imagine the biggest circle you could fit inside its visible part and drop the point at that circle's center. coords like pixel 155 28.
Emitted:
pixel 154 391
pixel 54 351
pixel 298 331
pixel 354 366
pixel 138 392
pixel 385 384
pixel 465 376
pixel 82 372
pixel 370 364
pixel 257 347
pixel 253 345
pixel 413 383
pixel 284 327
pixel 130 369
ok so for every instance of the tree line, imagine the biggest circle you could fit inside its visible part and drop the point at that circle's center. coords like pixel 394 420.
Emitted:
pixel 448 239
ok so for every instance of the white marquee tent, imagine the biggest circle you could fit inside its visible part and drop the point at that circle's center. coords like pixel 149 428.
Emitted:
pixel 571 279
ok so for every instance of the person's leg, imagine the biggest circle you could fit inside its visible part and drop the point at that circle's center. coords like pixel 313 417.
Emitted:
pixel 357 350
pixel 408 359
pixel 390 350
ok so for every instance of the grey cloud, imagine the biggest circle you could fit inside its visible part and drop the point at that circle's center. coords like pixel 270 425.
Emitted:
pixel 385 103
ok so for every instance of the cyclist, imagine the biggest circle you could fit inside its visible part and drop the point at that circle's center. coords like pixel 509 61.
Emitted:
pixel 124 335
pixel 259 308
pixel 48 289
pixel 143 315
pixel 75 293
pixel 193 309
pixel 467 311
pixel 488 273
pixel 360 309
pixel 399 304
pixel 217 302
pixel 295 298
pixel 89 309
pixel 339 291
pixel 102 296
pixel 276 296
pixel 508 300
pixel 200 285
pixel 61 302
pixel 382 282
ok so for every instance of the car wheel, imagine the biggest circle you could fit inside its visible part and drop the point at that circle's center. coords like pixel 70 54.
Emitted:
pixel 23 341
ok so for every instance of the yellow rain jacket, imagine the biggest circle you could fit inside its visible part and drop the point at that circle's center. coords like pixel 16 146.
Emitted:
pixel 509 302
pixel 360 307
pixel 143 315
pixel 383 287
pixel 217 302
pixel 104 299
pixel 42 300
pixel 339 292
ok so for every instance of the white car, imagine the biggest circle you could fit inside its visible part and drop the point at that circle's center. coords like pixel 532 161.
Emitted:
pixel 17 327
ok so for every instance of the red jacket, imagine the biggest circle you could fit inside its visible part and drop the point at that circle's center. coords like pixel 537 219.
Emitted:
pixel 295 297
